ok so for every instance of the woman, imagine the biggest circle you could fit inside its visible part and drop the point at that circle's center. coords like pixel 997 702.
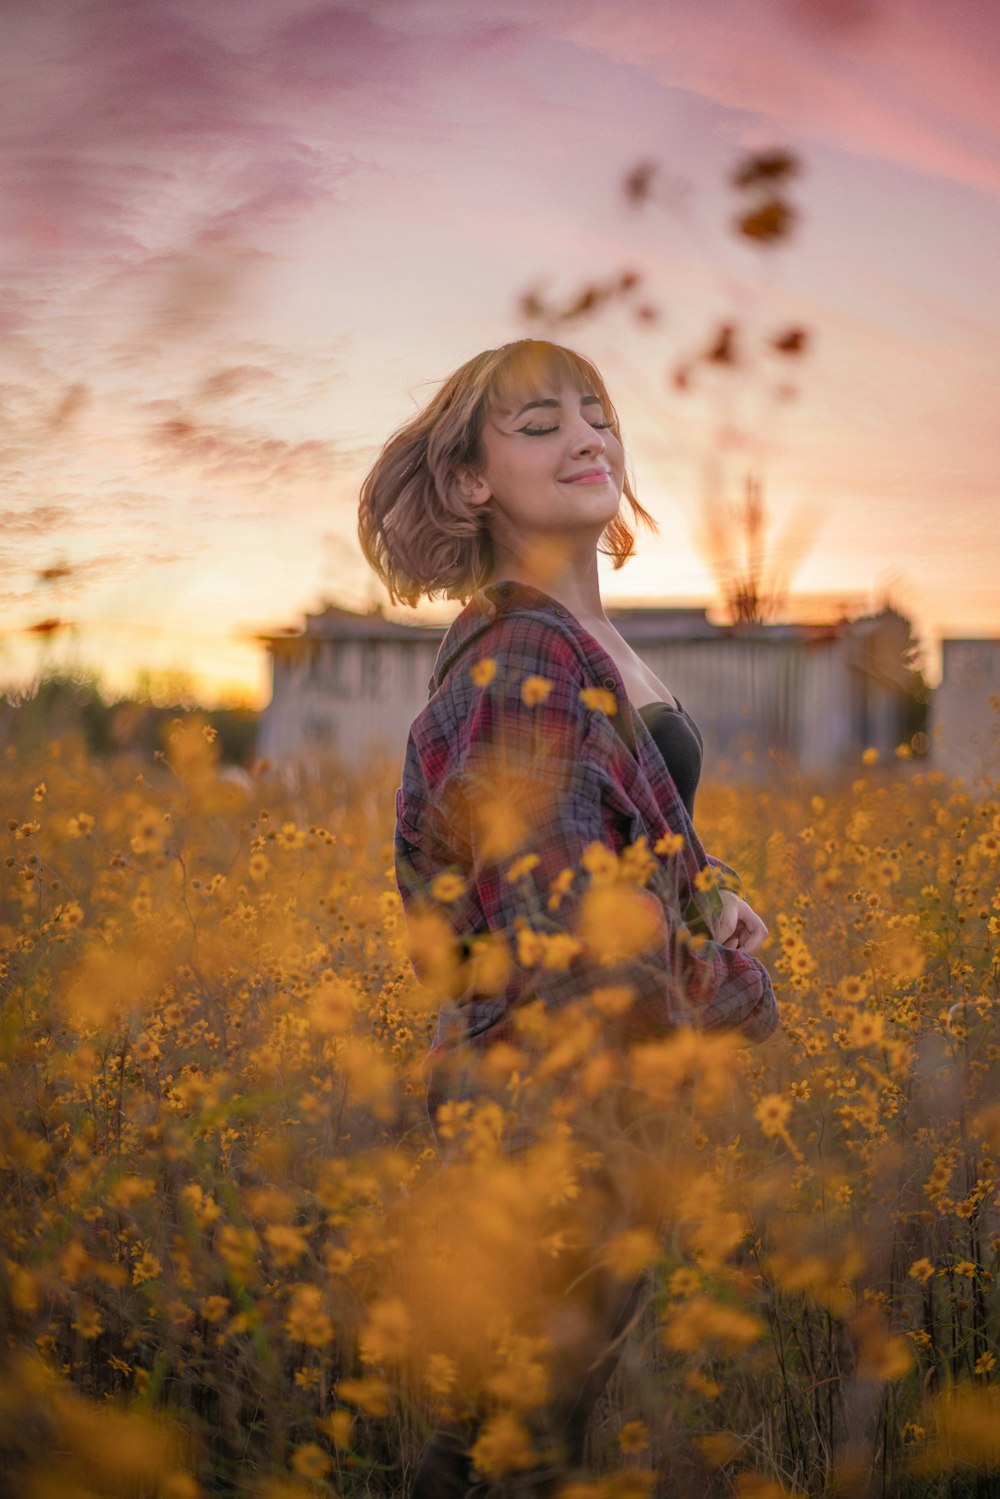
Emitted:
pixel 547 745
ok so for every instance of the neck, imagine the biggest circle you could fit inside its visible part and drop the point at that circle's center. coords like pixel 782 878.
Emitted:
pixel 572 581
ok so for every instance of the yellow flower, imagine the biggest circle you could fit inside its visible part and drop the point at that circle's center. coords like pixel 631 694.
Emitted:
pixel 559 950
pixel 870 756
pixel 885 873
pixel 373 1396
pixel 614 1000
pixel 522 866
pixel 483 672
pixel 287 1244
pixel 866 1029
pixel 684 1282
pixel 503 1446
pixel 966 1268
pixel 718 1447
pixel 337 1259
pixel 523 1384
pixel 337 1426
pixel 213 1308
pixel 529 947
pixel 633 1438
pixel 670 843
pixel 629 1252
pixel 757 1486
pixel 448 887
pixel 600 863
pixel 440 1373
pixel 307 1320
pixel 489 964
pixel 452 1116
pixel 636 863
pixel 386 1335
pixel 702 1385
pixel 921 1270
pixel 985 1363
pixel 310 1461
pixel 148 1267
pixel 558 888
pixel 600 700
pixel 535 690
pixel 333 1005
pixel 692 1324
pixel 903 958
pixel 87 1322
pixel 619 921
pixel 884 1356
pixel 772 1114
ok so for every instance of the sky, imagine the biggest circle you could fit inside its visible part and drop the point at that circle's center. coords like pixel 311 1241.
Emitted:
pixel 244 239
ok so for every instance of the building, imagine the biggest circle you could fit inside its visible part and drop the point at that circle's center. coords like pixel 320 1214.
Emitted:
pixel 965 713
pixel 346 687
pixel 810 696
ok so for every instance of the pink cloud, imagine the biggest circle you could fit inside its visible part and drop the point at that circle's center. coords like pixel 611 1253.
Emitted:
pixel 915 85
pixel 219 451
pixel 234 381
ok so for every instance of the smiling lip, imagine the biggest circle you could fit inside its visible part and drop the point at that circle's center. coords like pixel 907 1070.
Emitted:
pixel 591 476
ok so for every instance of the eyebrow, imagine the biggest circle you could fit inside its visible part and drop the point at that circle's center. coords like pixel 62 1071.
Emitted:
pixel 551 401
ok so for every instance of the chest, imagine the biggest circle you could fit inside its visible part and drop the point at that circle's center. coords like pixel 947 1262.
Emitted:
pixel 642 685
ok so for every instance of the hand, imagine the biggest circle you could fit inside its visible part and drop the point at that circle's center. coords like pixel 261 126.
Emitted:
pixel 739 925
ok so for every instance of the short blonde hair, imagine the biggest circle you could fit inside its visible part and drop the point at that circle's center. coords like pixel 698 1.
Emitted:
pixel 416 531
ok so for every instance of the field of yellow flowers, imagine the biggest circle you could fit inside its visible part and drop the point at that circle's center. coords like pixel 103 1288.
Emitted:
pixel 234 1262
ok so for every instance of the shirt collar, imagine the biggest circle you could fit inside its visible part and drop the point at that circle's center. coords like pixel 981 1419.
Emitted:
pixel 483 608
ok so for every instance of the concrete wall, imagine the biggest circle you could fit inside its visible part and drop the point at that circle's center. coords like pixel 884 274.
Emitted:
pixel 964 726
pixel 351 699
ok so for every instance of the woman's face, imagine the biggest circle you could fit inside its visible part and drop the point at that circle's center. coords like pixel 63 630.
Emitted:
pixel 551 466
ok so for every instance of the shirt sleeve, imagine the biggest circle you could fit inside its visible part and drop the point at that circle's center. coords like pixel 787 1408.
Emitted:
pixel 519 816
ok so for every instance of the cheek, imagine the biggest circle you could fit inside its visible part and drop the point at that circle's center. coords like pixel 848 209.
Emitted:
pixel 527 469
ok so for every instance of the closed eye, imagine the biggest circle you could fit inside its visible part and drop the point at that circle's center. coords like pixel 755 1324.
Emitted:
pixel 543 431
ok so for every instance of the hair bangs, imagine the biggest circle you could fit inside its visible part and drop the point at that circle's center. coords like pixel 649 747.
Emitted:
pixel 524 369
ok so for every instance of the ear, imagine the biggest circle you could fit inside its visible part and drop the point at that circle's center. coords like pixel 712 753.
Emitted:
pixel 472 487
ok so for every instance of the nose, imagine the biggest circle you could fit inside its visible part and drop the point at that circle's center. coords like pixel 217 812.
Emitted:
pixel 587 439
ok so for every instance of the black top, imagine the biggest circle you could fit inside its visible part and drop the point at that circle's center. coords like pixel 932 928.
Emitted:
pixel 679 741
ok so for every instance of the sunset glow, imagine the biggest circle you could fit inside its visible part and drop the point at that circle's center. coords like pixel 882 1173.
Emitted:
pixel 242 243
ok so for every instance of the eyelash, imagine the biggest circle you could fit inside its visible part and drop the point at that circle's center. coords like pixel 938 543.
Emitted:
pixel 543 431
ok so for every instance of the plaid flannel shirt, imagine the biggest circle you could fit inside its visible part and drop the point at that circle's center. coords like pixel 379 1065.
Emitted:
pixel 570 775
